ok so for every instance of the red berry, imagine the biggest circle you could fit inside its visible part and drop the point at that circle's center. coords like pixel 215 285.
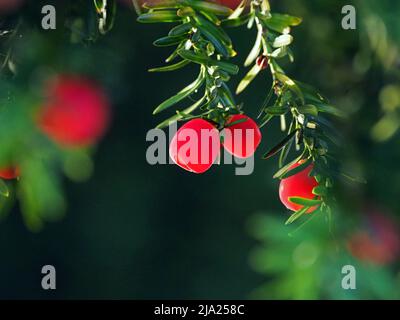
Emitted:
pixel 76 112
pixel 195 146
pixel 365 248
pixel 242 138
pixel 9 173
pixel 262 61
pixel 298 185
pixel 378 242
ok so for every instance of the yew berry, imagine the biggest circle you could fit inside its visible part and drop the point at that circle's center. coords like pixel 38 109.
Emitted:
pixel 9 173
pixel 76 112
pixel 378 242
pixel 262 61
pixel 298 185
pixel 241 136
pixel 195 146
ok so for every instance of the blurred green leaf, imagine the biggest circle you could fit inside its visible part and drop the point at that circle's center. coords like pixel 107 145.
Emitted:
pixel 320 191
pixel 249 77
pixel 171 67
pixel 277 110
pixel 286 167
pixel 203 60
pixel 279 146
pixel 4 189
pixel 182 94
pixel 168 41
pixel 283 40
pixel 180 30
pixel 296 215
pixel 208 7
pixel 159 16
pixel 181 114
pixel 230 23
pixel 304 201
pixel 255 51
pixel 290 84
pixel 297 169
pixel 308 109
pixel 280 22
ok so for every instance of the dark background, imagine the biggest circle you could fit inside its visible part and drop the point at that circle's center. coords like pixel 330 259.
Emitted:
pixel 138 231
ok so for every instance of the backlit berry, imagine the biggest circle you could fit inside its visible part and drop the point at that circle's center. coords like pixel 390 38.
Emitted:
pixel 195 146
pixel 241 136
pixel 298 185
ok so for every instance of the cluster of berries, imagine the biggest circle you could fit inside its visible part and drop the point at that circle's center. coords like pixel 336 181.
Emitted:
pixel 240 144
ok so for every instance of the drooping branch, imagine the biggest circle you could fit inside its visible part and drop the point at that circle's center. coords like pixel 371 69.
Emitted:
pixel 198 39
pixel 303 107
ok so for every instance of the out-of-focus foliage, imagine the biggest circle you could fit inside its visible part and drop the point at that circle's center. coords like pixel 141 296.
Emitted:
pixel 140 231
pixel 30 58
pixel 379 43
pixel 307 262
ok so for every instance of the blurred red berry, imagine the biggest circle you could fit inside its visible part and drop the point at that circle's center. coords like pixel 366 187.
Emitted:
pixel 76 112
pixel 378 242
pixel 195 146
pixel 298 185
pixel 9 173
pixel 241 138
pixel 262 61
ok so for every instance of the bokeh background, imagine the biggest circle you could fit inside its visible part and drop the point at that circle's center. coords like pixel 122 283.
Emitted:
pixel 136 231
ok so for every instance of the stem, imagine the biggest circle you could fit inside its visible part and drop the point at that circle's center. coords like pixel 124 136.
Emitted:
pixel 204 42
